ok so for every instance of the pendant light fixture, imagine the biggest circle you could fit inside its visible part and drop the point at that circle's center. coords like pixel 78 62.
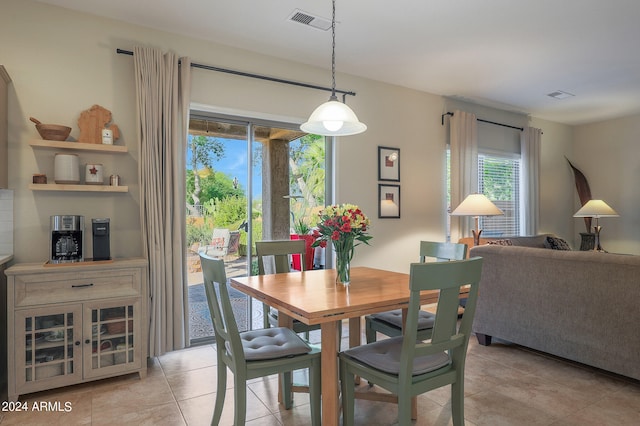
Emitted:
pixel 333 118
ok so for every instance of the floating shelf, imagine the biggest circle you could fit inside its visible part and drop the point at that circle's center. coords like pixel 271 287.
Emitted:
pixel 77 188
pixel 78 146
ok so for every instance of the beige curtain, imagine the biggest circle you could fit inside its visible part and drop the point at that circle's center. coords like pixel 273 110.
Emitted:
pixel 464 167
pixel 163 90
pixel 530 179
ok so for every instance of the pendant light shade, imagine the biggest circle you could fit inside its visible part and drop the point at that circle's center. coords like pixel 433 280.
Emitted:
pixel 333 118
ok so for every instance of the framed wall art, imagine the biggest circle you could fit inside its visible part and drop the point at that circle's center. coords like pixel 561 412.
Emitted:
pixel 388 201
pixel 388 163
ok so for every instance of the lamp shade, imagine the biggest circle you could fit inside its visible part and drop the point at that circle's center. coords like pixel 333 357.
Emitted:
pixel 333 118
pixel 476 205
pixel 596 208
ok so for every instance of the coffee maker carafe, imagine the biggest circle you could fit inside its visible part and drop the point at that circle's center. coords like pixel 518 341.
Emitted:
pixel 67 238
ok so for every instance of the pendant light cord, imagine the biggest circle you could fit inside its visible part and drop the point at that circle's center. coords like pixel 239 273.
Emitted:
pixel 333 50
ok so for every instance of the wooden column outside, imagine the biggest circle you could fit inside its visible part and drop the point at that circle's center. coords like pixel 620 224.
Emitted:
pixel 275 186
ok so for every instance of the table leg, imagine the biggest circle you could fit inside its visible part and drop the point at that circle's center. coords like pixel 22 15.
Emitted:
pixel 354 332
pixel 355 338
pixel 329 361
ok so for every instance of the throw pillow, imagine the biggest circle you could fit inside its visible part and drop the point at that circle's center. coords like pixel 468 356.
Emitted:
pixel 217 242
pixel 556 243
pixel 504 242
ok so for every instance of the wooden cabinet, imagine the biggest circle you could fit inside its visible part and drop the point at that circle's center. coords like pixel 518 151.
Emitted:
pixel 82 147
pixel 4 131
pixel 3 333
pixel 75 323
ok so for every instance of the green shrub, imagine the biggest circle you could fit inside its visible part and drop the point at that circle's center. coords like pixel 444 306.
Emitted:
pixel 197 232
pixel 227 211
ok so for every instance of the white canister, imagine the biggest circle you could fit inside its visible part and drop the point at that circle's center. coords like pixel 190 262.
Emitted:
pixel 66 168
pixel 107 136
pixel 93 174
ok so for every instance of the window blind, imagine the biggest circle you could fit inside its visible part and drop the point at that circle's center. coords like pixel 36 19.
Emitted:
pixel 499 180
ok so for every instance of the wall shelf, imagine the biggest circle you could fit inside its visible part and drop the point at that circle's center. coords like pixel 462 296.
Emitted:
pixel 77 188
pixel 78 146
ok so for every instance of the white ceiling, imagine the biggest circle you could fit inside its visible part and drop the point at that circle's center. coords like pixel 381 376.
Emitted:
pixel 504 53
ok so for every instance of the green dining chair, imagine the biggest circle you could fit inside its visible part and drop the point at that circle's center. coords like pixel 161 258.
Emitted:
pixel 254 353
pixel 407 366
pixel 389 323
pixel 280 251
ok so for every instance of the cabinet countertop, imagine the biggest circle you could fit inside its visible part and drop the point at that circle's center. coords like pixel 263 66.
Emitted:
pixel 41 268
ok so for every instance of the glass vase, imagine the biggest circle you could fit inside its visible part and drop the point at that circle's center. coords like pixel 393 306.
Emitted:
pixel 343 266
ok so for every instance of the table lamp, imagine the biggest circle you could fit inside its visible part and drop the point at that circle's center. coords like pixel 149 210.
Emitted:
pixel 596 209
pixel 476 205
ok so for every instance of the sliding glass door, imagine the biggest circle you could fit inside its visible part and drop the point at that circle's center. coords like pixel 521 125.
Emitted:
pixel 246 181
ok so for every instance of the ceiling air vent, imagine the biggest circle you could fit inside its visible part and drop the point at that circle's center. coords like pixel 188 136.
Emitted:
pixel 309 20
pixel 559 94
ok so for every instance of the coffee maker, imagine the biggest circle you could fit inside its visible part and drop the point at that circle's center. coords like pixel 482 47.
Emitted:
pixel 101 244
pixel 67 238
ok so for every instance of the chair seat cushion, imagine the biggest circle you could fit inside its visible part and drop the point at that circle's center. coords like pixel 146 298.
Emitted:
pixel 271 343
pixel 384 355
pixel 425 319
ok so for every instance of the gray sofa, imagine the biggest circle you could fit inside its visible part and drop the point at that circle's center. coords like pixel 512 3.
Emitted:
pixel 579 305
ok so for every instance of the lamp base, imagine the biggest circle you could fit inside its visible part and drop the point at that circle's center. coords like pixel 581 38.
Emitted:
pixel 596 245
pixel 476 236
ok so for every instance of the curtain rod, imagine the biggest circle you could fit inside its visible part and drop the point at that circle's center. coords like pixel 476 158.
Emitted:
pixel 258 76
pixel 485 121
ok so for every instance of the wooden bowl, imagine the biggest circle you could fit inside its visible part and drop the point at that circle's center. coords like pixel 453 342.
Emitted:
pixel 52 132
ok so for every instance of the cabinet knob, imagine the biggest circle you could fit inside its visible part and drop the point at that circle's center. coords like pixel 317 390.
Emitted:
pixel 87 341
pixel 77 342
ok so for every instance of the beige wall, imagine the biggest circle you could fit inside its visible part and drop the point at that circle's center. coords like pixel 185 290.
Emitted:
pixel 608 153
pixel 62 62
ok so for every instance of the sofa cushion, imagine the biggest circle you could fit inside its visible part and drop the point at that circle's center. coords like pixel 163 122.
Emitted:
pixel 556 243
pixel 503 242
pixel 530 241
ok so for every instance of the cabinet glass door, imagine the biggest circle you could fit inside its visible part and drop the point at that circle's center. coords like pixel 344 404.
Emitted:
pixel 51 344
pixel 114 336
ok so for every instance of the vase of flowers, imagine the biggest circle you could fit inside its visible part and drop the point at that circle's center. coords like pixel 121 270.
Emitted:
pixel 345 226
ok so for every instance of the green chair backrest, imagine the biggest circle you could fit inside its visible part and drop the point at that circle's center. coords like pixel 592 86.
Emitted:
pixel 281 250
pixel 448 278
pixel 224 322
pixel 442 251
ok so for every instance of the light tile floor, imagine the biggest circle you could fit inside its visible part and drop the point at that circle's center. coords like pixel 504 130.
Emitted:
pixel 505 385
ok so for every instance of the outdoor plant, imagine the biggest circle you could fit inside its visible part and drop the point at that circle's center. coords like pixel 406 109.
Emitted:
pixel 197 231
pixel 301 227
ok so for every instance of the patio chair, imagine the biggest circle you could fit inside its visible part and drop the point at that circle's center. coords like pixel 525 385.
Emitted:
pixel 223 243
pixel 407 366
pixel 255 353
pixel 390 323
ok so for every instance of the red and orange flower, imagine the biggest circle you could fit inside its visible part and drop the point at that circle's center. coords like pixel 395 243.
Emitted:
pixel 343 225
pixel 346 227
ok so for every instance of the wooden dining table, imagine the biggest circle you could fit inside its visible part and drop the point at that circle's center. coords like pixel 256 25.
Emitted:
pixel 313 297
